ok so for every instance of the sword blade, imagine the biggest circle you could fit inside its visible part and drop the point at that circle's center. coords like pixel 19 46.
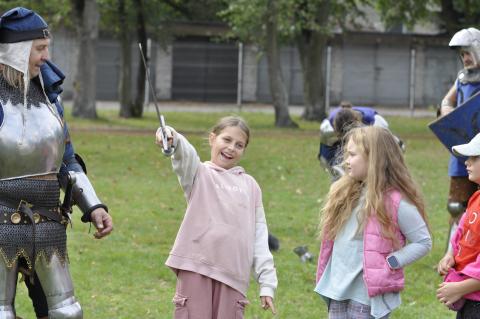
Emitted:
pixel 166 149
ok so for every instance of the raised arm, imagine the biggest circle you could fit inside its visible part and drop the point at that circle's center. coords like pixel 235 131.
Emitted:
pixel 185 160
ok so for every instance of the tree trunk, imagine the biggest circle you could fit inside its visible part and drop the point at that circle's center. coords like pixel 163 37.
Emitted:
pixel 125 83
pixel 449 17
pixel 86 17
pixel 137 109
pixel 311 47
pixel 277 86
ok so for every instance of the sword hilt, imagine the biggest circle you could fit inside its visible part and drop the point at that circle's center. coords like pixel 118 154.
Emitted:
pixel 167 149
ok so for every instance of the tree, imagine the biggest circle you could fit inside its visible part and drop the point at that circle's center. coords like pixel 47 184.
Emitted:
pixel 150 19
pixel 258 22
pixel 141 74
pixel 449 15
pixel 120 17
pixel 125 82
pixel 86 16
pixel 277 84
pixel 314 22
pixel 306 23
pixel 311 18
pixel 53 11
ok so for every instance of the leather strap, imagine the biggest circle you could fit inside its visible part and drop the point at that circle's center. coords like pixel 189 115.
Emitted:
pixel 22 206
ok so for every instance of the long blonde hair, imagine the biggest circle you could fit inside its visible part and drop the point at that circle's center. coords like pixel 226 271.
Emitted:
pixel 12 76
pixel 386 170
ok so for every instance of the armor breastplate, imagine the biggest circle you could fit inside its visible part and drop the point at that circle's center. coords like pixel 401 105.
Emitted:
pixel 31 138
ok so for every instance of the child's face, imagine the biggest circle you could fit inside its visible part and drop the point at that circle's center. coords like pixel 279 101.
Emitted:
pixel 357 165
pixel 227 147
pixel 473 168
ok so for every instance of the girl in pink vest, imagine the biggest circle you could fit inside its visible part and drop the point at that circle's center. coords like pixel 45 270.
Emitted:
pixel 373 224
pixel 224 233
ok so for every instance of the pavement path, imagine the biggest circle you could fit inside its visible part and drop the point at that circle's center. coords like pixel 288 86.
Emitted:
pixel 182 106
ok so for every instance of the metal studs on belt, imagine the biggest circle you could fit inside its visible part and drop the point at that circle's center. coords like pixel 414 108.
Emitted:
pixel 15 218
pixel 36 218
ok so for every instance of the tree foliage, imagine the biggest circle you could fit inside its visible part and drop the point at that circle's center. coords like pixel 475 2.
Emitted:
pixel 449 15
pixel 55 12
pixel 306 23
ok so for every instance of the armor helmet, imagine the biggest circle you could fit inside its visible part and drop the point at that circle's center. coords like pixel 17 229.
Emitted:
pixel 467 40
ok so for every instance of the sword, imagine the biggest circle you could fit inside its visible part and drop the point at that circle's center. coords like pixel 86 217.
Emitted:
pixel 167 150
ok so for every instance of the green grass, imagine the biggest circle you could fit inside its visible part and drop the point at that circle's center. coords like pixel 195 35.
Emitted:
pixel 123 276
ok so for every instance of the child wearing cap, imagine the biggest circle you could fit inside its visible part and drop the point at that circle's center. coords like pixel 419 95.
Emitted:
pixel 460 289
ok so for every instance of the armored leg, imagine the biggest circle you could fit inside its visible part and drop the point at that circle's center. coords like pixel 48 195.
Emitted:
pixel 58 287
pixel 8 286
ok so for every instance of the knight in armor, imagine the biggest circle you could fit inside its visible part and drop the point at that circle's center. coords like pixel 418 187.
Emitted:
pixel 339 122
pixel 37 158
pixel 467 84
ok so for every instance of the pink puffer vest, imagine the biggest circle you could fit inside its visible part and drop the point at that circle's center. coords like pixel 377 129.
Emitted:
pixel 377 275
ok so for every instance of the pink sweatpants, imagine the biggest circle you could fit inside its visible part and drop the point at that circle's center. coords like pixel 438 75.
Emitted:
pixel 201 297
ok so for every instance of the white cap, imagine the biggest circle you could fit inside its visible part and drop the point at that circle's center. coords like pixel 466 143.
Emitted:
pixel 470 149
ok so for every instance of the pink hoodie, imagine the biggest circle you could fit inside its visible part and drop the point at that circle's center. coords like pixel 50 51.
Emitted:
pixel 223 233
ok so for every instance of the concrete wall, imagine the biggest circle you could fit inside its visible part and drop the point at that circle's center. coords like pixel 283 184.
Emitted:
pixel 163 71
pixel 370 69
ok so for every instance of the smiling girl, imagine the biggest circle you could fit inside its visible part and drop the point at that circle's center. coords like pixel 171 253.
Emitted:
pixel 224 232
pixel 369 216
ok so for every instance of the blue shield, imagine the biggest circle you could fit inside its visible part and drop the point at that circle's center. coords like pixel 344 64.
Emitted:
pixel 460 125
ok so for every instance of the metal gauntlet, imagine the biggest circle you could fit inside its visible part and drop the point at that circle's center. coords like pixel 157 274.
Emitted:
pixel 84 195
pixel 327 133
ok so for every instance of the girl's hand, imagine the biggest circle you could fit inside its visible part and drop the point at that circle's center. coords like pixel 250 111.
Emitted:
pixel 449 292
pixel 267 302
pixel 159 137
pixel 445 264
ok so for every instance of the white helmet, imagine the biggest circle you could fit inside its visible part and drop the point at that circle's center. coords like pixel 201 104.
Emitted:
pixel 468 40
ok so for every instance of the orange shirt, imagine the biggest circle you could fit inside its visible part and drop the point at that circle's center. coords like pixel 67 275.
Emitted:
pixel 469 244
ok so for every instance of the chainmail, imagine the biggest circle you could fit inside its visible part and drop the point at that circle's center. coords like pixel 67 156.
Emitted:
pixel 16 240
pixel 34 93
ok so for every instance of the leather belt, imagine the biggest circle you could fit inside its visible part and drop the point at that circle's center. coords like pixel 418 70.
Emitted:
pixel 26 213
pixel 33 213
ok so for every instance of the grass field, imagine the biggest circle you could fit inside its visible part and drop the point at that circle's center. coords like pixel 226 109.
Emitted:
pixel 123 276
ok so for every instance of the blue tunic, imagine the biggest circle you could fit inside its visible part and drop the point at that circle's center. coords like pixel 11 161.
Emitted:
pixel 456 166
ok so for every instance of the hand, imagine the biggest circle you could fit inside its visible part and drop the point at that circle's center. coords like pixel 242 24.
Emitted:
pixel 159 136
pixel 267 302
pixel 445 264
pixel 445 109
pixel 449 292
pixel 102 222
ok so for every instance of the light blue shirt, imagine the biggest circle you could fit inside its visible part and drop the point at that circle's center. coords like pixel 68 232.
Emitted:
pixel 343 275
